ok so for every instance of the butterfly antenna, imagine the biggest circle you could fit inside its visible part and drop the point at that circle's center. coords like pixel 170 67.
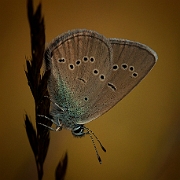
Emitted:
pixel 99 158
pixel 103 148
pixel 90 134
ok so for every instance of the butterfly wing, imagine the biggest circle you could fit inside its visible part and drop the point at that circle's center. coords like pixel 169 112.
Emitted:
pixel 131 63
pixel 80 61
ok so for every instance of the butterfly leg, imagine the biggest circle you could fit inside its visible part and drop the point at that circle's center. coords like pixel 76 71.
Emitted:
pixel 54 103
pixel 58 125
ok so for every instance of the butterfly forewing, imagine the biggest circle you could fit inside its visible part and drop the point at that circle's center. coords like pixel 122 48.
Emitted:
pixel 80 63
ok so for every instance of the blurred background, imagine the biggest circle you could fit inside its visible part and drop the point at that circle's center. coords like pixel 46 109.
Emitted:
pixel 141 133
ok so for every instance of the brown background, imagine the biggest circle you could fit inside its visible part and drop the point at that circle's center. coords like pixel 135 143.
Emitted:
pixel 141 133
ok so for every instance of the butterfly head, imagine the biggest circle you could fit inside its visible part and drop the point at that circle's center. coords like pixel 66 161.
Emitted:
pixel 78 130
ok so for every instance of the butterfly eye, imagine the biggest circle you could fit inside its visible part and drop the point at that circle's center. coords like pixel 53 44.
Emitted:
pixel 78 130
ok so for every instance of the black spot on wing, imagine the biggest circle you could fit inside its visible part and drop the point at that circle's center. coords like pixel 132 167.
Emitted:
pixel 112 86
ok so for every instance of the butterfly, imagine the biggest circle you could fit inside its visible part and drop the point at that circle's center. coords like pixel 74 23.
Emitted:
pixel 89 75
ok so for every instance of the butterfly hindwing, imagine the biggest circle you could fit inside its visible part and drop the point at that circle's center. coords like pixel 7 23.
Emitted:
pixel 131 63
